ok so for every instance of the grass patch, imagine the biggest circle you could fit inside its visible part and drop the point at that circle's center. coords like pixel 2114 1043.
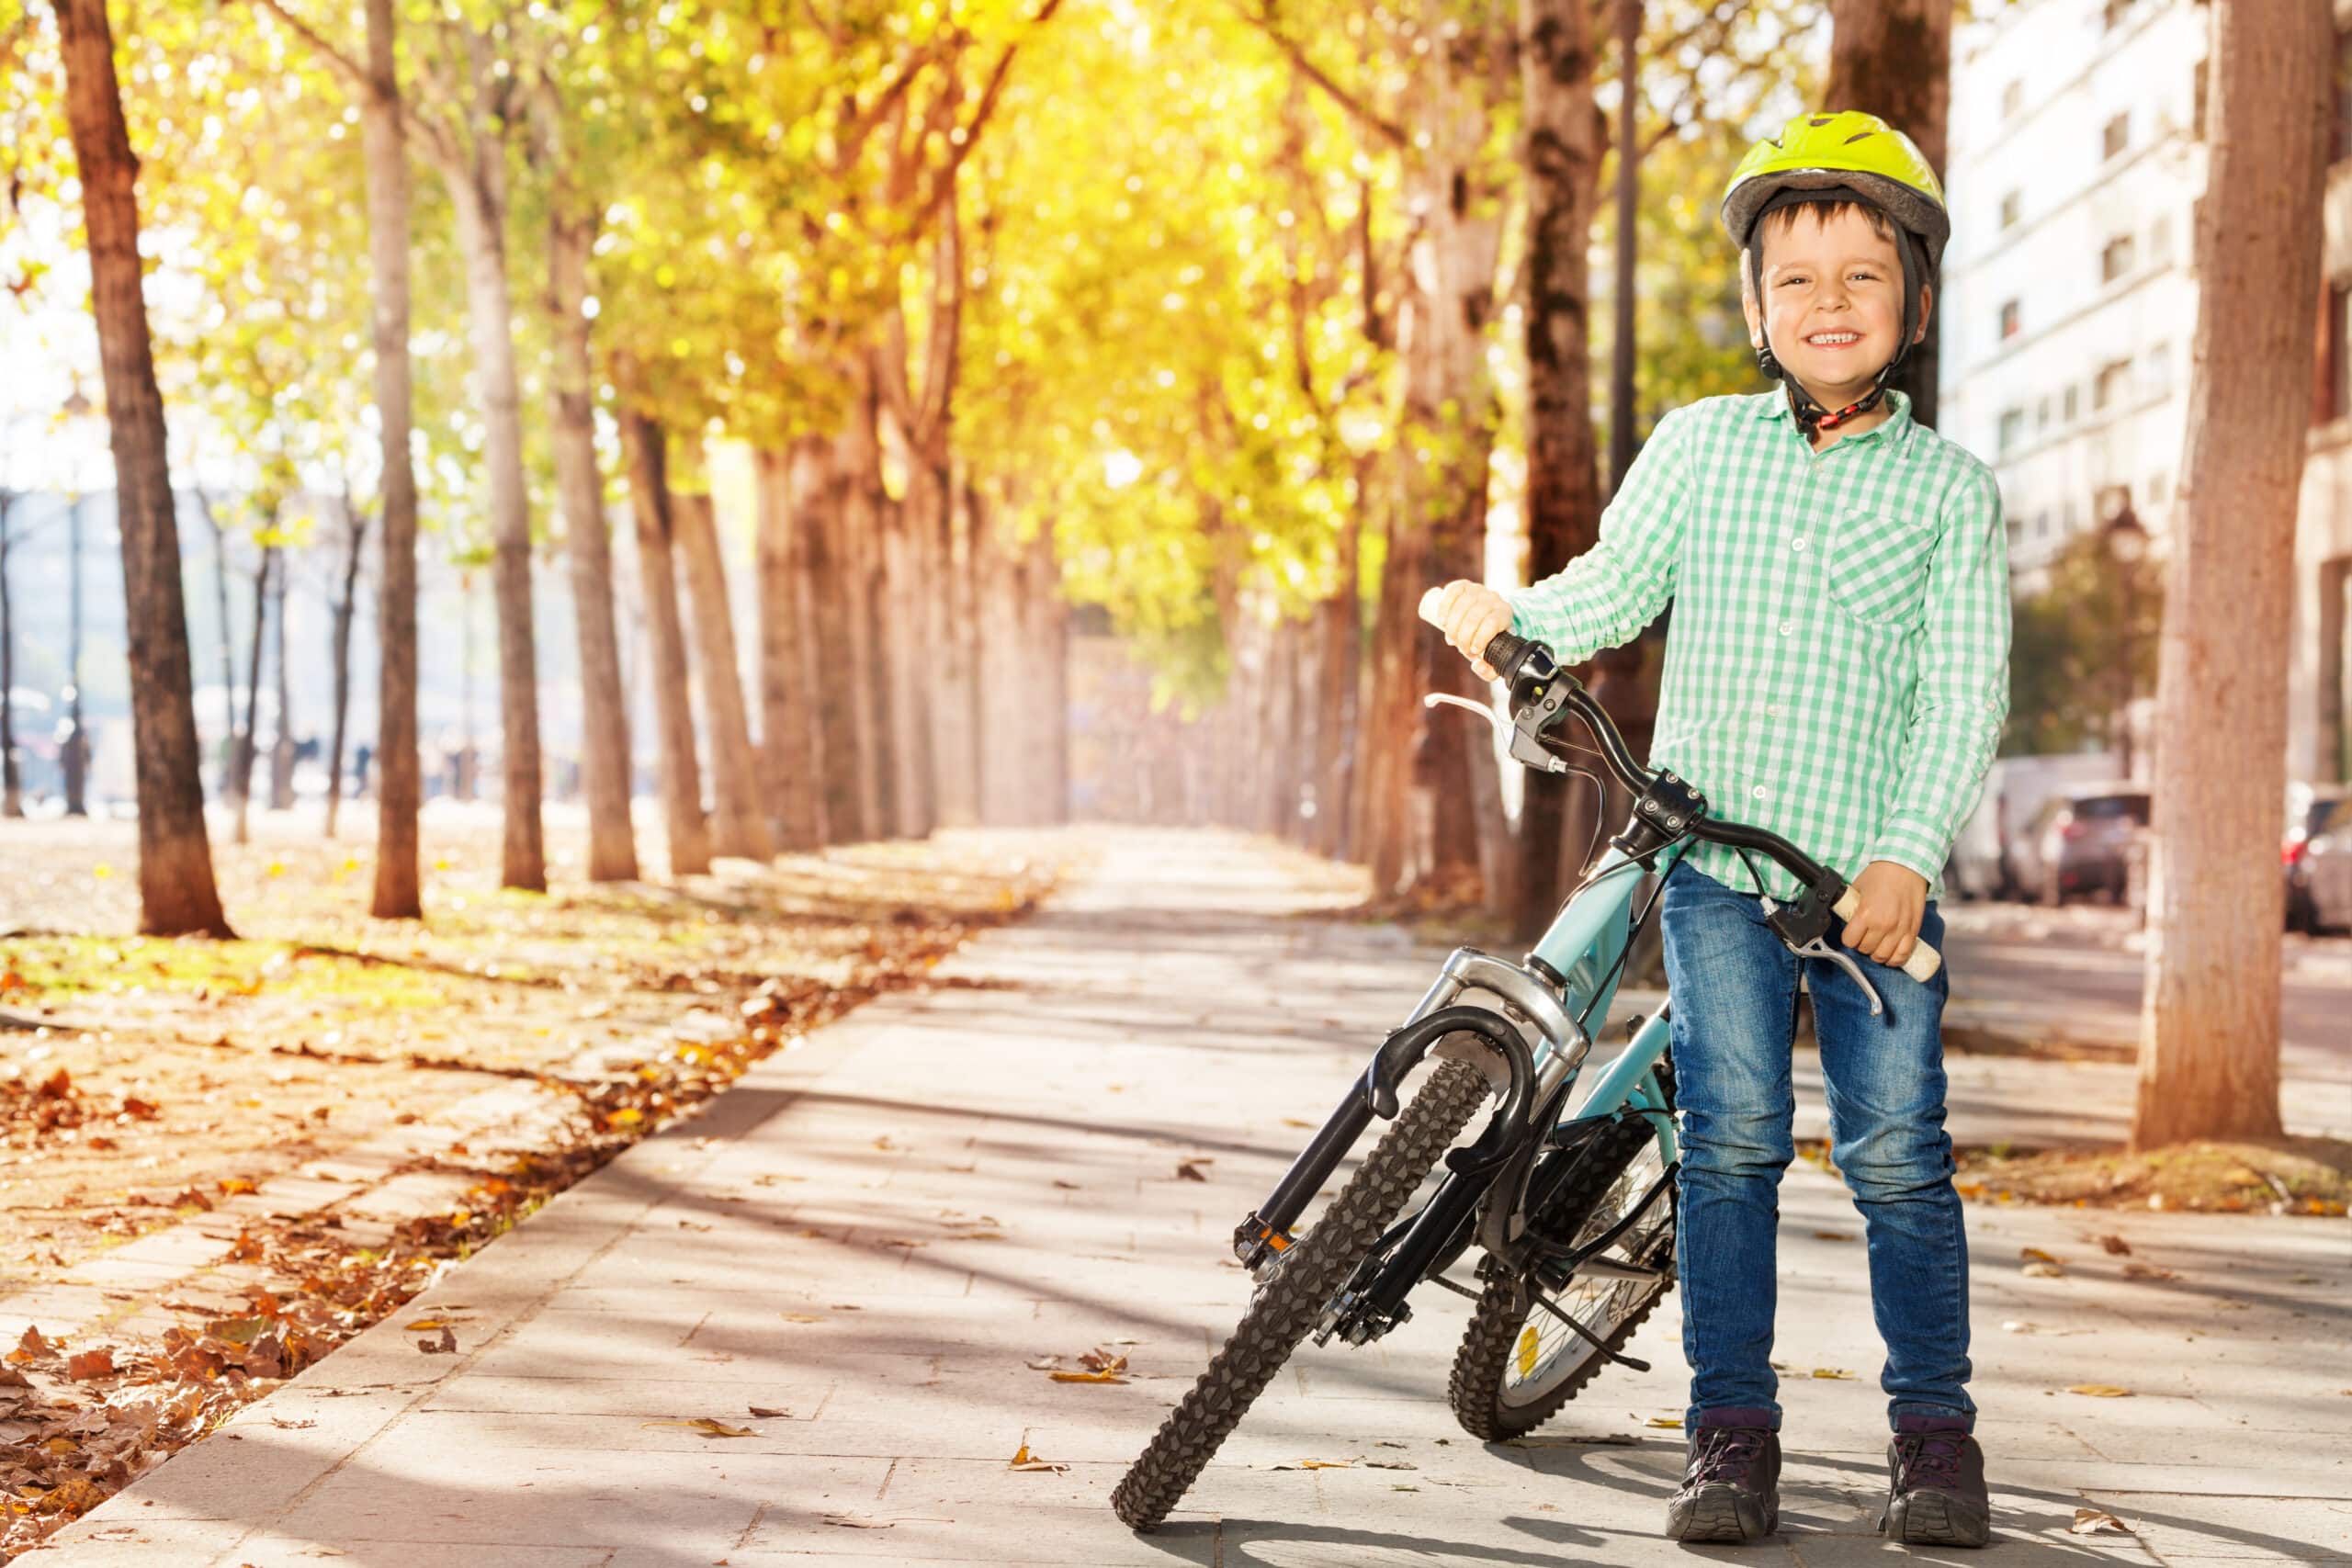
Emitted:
pixel 2285 1176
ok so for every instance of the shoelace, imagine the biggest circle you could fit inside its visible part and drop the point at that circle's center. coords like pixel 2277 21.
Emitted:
pixel 1726 1452
pixel 1931 1459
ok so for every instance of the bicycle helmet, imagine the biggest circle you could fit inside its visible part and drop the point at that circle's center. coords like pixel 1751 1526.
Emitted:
pixel 1842 156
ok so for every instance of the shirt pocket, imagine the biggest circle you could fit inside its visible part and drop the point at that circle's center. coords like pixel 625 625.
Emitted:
pixel 1878 566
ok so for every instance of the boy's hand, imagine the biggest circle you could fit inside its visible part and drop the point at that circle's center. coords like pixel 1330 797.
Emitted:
pixel 1471 614
pixel 1894 901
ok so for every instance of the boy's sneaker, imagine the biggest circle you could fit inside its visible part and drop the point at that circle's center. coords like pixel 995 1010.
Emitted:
pixel 1936 1491
pixel 1730 1486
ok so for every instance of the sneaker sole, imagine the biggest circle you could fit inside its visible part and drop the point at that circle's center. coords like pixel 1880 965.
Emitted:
pixel 1721 1512
pixel 1927 1518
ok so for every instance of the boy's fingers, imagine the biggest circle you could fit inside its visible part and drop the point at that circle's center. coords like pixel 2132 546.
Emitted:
pixel 1485 671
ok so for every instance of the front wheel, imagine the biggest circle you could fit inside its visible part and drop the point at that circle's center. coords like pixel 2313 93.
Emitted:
pixel 1519 1363
pixel 1287 1305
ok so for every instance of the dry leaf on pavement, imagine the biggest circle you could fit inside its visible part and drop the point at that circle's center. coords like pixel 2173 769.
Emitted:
pixel 2096 1521
pixel 708 1426
pixel 1024 1460
pixel 2040 1271
pixel 858 1522
pixel 1832 1372
pixel 2137 1270
pixel 2099 1390
pixel 1319 1464
pixel 1670 1423
pixel 2116 1245
pixel 1192 1171
pixel 2035 1255
pixel 764 1413
pixel 1086 1377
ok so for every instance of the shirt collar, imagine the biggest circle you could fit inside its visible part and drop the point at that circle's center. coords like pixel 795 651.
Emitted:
pixel 1895 429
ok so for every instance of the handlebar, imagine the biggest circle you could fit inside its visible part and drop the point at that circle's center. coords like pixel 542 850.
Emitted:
pixel 1530 672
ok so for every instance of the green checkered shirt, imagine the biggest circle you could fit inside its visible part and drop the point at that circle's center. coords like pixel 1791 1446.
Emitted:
pixel 1838 670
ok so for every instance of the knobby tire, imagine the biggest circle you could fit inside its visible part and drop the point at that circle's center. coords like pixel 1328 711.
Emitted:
pixel 1287 1307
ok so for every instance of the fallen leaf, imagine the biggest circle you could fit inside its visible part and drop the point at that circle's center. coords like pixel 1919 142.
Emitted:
pixel 445 1345
pixel 2116 1245
pixel 1838 1372
pixel 2043 1271
pixel 1833 1236
pixel 765 1414
pixel 1065 1185
pixel 2095 1521
pixel 1024 1460
pixel 246 1248
pixel 1668 1423
pixel 1086 1377
pixel 1192 1171
pixel 1389 1464
pixel 858 1522
pixel 2035 1255
pixel 2138 1271
pixel 801 1317
pixel 426 1325
pixel 1101 1360
pixel 95 1363
pixel 231 1186
pixel 1319 1464
pixel 2099 1390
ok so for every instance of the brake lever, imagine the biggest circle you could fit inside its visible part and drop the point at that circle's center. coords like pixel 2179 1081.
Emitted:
pixel 1817 948
pixel 1522 750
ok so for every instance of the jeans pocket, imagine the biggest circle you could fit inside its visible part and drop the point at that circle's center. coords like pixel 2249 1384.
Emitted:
pixel 1878 566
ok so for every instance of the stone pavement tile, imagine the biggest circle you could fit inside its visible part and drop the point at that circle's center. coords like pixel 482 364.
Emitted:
pixel 279 1549
pixel 645 1398
pixel 263 1457
pixel 124 1540
pixel 408 1486
pixel 2256 1527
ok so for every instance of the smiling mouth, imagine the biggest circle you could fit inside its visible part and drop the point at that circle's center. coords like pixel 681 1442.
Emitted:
pixel 1833 340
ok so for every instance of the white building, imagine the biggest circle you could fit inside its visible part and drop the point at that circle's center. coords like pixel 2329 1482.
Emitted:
pixel 2074 166
pixel 2076 163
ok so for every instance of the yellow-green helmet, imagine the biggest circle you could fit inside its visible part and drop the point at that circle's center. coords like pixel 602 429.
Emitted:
pixel 1824 151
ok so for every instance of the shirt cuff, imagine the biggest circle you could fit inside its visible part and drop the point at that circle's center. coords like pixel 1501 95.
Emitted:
pixel 1912 846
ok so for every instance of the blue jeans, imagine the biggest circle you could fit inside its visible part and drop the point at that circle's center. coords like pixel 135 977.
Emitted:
pixel 1735 990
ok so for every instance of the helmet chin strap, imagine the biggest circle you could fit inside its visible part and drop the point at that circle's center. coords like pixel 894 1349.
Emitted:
pixel 1811 416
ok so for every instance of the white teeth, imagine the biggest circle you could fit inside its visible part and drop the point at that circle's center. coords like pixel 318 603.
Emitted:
pixel 1834 337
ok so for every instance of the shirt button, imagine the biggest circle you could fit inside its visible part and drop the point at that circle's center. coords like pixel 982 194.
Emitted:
pixel 1773 709
pixel 1759 791
pixel 1797 543
pixel 1787 626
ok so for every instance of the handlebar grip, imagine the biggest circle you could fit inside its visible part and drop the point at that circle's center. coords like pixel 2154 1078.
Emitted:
pixel 1924 961
pixel 1502 655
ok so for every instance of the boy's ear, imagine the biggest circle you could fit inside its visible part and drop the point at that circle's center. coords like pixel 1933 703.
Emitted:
pixel 1748 305
pixel 1926 310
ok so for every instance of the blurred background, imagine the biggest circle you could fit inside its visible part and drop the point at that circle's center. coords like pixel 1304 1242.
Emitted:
pixel 801 424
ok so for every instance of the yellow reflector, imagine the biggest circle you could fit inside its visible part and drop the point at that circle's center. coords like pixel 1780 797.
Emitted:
pixel 1527 1350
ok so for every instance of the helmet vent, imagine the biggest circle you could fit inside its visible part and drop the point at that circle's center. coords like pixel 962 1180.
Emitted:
pixel 1859 136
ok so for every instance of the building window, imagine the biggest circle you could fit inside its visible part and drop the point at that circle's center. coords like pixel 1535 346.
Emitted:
pixel 2012 205
pixel 2108 388
pixel 2009 320
pixel 2012 429
pixel 2074 405
pixel 2118 135
pixel 2012 99
pixel 2332 391
pixel 2343 94
pixel 2160 242
pixel 2116 260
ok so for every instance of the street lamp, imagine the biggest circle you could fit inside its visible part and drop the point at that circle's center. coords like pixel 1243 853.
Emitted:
pixel 2127 546
pixel 75 756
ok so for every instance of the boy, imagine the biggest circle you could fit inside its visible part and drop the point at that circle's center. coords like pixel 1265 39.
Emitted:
pixel 1838 673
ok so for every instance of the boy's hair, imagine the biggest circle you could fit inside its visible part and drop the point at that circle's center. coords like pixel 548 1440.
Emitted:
pixel 1825 212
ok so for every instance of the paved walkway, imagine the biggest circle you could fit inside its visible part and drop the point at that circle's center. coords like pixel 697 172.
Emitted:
pixel 857 1254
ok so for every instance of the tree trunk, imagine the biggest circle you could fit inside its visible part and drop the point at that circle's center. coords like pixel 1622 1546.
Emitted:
pixel 1892 59
pixel 1337 747
pixel 833 675
pixel 580 490
pixel 477 195
pixel 12 798
pixel 1621 344
pixel 176 891
pixel 791 783
pixel 241 782
pixel 281 751
pixel 644 452
pixel 1563 157
pixel 2210 1020
pixel 399 786
pixel 227 637
pixel 739 826
pixel 863 520
pixel 354 525
pixel 918 659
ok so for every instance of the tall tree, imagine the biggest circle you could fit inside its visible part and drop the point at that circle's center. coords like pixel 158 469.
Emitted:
pixel 1561 153
pixel 645 455
pixel 1892 59
pixel 176 892
pixel 2210 1022
pixel 12 801
pixel 739 826
pixel 347 602
pixel 791 783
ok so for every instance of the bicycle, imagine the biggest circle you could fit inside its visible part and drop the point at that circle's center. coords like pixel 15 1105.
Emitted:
pixel 1572 1208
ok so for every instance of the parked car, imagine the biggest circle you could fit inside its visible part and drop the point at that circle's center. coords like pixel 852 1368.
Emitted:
pixel 2086 841
pixel 1997 853
pixel 2316 857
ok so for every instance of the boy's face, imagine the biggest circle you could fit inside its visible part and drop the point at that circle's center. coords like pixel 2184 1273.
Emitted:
pixel 1832 309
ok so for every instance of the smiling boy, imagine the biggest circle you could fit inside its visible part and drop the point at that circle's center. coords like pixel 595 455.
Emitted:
pixel 1837 672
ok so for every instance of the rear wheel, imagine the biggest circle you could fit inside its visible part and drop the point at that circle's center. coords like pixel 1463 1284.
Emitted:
pixel 1519 1363
pixel 1290 1301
